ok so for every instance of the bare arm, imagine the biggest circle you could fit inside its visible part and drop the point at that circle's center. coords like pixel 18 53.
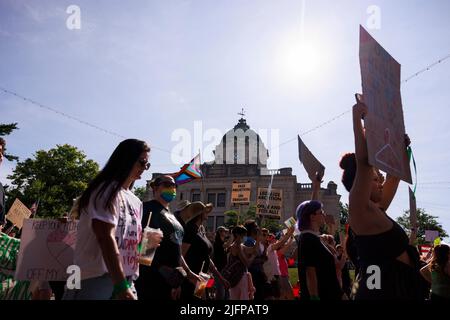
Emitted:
pixel 316 186
pixel 105 234
pixel 425 272
pixel 389 190
pixel 311 281
pixel 362 219
pixel 280 243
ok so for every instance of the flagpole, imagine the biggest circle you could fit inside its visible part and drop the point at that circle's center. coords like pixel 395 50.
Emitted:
pixel 202 184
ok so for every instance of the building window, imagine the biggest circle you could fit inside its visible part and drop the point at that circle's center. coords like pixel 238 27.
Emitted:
pixel 220 221
pixel 181 196
pixel 210 224
pixel 212 198
pixel 195 197
pixel 221 200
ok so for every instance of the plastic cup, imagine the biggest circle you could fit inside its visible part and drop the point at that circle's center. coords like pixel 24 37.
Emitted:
pixel 201 285
pixel 147 250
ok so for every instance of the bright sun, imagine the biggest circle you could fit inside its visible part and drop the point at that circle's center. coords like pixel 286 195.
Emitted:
pixel 298 62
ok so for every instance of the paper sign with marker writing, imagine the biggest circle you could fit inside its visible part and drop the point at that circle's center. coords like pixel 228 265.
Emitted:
pixel 46 249
pixel 17 213
pixel 384 123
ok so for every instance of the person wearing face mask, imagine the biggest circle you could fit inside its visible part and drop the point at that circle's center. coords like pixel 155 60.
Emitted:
pixel 162 280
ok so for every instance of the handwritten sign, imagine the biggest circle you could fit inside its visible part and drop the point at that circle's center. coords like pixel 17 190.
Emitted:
pixel 269 204
pixel 240 192
pixel 431 235
pixel 309 161
pixel 46 250
pixel 10 289
pixel 17 213
pixel 384 124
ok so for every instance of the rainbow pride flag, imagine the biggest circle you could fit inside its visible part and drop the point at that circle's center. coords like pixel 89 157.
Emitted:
pixel 189 172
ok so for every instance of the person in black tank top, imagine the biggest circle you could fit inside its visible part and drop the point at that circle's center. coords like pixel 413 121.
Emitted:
pixel 388 265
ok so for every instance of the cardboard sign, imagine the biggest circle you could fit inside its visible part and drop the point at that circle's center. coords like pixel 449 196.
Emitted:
pixel 46 249
pixel 10 289
pixel 384 124
pixel 412 209
pixel 269 204
pixel 240 192
pixel 290 222
pixel 309 161
pixel 431 235
pixel 17 213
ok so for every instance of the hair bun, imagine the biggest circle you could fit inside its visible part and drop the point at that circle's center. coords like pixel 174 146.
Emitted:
pixel 347 160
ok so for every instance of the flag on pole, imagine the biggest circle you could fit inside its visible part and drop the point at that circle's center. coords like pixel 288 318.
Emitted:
pixel 34 208
pixel 189 171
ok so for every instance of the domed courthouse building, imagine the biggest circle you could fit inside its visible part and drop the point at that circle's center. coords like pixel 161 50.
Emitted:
pixel 242 157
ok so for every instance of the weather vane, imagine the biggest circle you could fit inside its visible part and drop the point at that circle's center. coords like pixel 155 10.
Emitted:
pixel 242 113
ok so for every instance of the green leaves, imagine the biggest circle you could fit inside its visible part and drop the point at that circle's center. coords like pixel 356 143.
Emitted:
pixel 425 221
pixel 56 177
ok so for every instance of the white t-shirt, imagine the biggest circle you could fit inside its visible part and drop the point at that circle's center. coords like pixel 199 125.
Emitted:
pixel 272 265
pixel 126 216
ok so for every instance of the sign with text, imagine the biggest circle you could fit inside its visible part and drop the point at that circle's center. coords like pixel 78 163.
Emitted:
pixel 240 192
pixel 384 124
pixel 309 161
pixel 46 249
pixel 17 213
pixel 269 204
pixel 10 289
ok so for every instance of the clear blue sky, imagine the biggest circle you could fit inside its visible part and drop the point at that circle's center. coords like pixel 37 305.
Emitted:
pixel 146 68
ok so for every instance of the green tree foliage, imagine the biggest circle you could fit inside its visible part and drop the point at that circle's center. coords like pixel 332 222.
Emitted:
pixel 140 192
pixel 6 129
pixel 273 225
pixel 55 177
pixel 425 221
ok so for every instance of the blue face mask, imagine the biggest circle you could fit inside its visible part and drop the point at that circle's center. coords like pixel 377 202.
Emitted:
pixel 168 195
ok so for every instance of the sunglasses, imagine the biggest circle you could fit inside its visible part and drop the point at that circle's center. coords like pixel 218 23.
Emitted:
pixel 145 164
pixel 167 184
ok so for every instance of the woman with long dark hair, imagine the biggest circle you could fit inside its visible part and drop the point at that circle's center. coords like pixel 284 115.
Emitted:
pixel 437 272
pixel 382 246
pixel 110 230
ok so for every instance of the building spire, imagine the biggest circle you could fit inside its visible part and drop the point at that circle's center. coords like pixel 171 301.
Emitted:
pixel 242 123
pixel 242 113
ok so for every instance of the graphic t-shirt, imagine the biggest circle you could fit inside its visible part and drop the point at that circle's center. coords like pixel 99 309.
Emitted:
pixel 125 215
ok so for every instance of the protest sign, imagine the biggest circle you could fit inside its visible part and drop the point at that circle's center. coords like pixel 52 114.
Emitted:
pixel 384 124
pixel 17 213
pixel 269 204
pixel 10 289
pixel 309 161
pixel 46 249
pixel 290 222
pixel 240 192
pixel 431 235
pixel 412 209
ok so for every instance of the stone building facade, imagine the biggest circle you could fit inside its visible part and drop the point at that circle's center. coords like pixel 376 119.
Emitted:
pixel 241 156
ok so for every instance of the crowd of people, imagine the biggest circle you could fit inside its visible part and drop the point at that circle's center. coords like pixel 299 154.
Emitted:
pixel 244 262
